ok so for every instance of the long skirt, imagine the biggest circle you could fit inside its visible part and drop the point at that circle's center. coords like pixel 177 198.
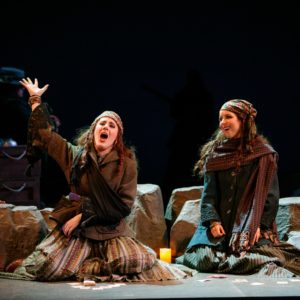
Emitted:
pixel 282 260
pixel 58 257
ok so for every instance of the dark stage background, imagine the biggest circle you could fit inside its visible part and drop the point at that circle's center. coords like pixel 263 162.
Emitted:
pixel 136 59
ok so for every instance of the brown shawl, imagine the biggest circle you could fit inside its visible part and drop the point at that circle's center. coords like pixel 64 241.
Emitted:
pixel 103 206
pixel 251 206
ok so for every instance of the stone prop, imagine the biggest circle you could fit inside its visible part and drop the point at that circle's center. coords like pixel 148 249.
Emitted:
pixel 147 217
pixel 184 227
pixel 21 229
pixel 178 198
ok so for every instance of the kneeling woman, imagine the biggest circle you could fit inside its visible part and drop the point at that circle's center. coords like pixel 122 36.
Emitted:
pixel 92 239
pixel 237 231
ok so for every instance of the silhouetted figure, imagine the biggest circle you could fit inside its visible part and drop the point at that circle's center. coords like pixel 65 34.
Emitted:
pixel 192 108
pixel 14 110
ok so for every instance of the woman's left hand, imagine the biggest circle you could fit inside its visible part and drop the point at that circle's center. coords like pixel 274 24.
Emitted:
pixel 256 236
pixel 71 224
pixel 217 230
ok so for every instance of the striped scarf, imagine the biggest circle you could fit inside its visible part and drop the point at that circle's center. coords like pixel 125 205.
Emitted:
pixel 251 206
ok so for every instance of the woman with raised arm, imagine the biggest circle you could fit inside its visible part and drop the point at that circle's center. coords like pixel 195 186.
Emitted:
pixel 92 240
pixel 237 231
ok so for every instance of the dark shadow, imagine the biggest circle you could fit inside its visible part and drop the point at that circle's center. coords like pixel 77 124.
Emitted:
pixel 14 116
pixel 53 181
pixel 289 183
pixel 14 110
pixel 192 109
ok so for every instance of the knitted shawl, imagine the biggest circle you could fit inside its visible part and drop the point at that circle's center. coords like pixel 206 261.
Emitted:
pixel 251 206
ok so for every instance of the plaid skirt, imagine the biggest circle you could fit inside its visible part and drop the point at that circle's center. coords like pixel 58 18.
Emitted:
pixel 282 260
pixel 58 257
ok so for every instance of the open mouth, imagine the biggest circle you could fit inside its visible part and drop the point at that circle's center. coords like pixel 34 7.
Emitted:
pixel 103 135
pixel 226 130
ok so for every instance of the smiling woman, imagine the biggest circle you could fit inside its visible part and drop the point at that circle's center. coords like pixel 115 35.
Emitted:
pixel 230 124
pixel 237 232
pixel 92 240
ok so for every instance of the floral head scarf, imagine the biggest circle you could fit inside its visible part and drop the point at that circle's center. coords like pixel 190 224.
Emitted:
pixel 240 107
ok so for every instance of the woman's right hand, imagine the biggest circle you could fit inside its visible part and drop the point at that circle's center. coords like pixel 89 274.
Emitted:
pixel 71 225
pixel 217 231
pixel 33 88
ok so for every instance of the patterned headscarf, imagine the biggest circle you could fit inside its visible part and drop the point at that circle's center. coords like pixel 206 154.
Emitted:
pixel 240 107
pixel 87 137
pixel 112 115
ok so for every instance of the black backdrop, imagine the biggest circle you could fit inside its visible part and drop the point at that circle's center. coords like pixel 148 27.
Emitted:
pixel 135 58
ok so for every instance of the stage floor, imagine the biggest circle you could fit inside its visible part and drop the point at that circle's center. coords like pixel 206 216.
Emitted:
pixel 200 286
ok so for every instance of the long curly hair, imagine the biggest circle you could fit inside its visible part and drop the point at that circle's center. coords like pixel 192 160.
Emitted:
pixel 85 139
pixel 248 134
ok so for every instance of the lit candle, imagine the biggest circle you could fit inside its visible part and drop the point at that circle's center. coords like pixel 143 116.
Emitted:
pixel 165 254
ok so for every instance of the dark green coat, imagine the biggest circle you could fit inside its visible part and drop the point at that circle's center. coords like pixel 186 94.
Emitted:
pixel 220 199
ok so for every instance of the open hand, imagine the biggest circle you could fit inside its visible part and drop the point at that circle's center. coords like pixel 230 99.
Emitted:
pixel 33 88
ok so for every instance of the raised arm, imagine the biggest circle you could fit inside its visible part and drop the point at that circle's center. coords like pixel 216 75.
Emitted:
pixel 40 130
